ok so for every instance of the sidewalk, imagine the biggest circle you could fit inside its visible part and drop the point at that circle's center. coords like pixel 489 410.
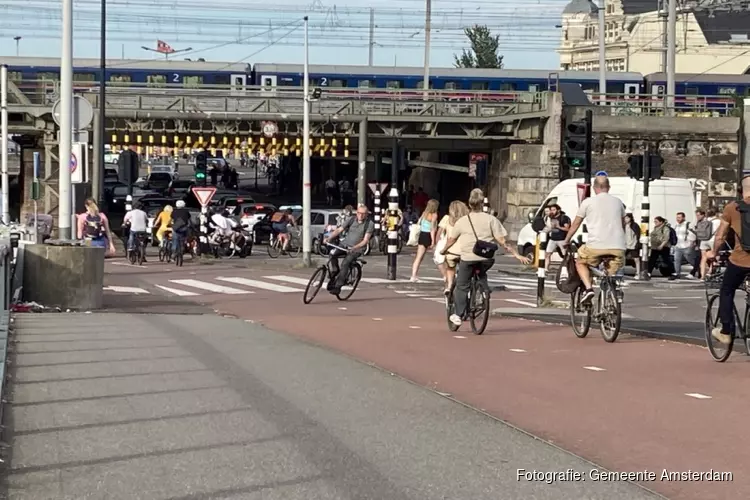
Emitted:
pixel 111 406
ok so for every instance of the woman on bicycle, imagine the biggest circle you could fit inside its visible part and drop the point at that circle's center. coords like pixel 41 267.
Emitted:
pixel 476 234
pixel 164 224
pixel 447 263
pixel 279 222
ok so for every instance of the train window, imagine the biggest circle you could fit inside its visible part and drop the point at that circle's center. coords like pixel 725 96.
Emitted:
pixel 221 80
pixel 452 86
pixel 420 84
pixel 364 84
pixel 120 79
pixel 156 80
pixel 508 87
pixel 287 82
pixel 691 90
pixel 192 81
pixel 533 87
pixel 84 77
pixel 727 90
pixel 338 83
pixel 15 76
pixel 479 85
pixel 48 76
pixel 394 84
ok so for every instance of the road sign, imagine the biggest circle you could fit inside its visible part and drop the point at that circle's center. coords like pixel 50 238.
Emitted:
pixel 377 187
pixel 270 129
pixel 584 191
pixel 77 162
pixel 83 113
pixel 204 194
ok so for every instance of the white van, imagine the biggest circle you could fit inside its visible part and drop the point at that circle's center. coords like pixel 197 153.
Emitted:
pixel 666 198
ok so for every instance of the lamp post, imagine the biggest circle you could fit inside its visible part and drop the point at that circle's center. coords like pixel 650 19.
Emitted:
pixel 306 201
pixel 18 40
pixel 66 123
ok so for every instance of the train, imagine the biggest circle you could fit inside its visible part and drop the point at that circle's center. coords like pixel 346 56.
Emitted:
pixel 721 88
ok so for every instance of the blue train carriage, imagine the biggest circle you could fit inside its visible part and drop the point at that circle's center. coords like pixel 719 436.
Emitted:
pixel 373 79
pixel 701 93
pixel 42 75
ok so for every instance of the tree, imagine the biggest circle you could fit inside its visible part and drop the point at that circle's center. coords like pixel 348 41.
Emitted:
pixel 483 52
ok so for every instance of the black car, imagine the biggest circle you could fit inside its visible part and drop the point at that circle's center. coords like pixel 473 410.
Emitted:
pixel 117 193
pixel 159 181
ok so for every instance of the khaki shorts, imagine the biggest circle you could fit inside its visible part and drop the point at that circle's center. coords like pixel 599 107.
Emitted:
pixel 593 257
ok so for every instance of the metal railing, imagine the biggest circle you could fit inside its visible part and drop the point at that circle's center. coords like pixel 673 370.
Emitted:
pixel 684 105
pixel 6 274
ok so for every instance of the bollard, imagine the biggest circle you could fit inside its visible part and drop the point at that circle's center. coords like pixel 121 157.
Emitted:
pixel 376 210
pixel 392 233
pixel 541 272
pixel 203 238
pixel 485 205
pixel 645 239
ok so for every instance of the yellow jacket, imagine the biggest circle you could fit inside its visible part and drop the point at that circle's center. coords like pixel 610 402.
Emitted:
pixel 163 221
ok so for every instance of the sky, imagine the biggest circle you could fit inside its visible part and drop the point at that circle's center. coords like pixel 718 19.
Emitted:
pixel 252 31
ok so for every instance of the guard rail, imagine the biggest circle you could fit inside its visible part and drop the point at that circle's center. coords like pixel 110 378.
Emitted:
pixel 6 274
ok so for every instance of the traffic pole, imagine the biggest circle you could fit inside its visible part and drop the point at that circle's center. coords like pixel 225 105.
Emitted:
pixel 306 194
pixel 393 214
pixel 541 272
pixel 376 210
pixel 203 238
pixel 645 217
pixel 66 122
pixel 4 142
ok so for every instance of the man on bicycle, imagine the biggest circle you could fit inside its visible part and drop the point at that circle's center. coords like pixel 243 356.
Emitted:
pixel 738 267
pixel 137 219
pixel 473 232
pixel 180 226
pixel 605 225
pixel 279 222
pixel 358 233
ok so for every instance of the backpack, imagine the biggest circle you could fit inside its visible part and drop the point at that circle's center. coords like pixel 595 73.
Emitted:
pixel 672 236
pixel 93 228
pixel 704 230
pixel 744 236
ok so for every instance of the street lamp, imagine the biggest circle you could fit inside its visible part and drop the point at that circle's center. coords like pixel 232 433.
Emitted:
pixel 306 201
pixel 167 54
pixel 17 39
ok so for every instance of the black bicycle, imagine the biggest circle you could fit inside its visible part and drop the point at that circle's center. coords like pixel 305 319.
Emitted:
pixel 608 308
pixel 138 254
pixel 719 351
pixel 165 249
pixel 319 277
pixel 477 303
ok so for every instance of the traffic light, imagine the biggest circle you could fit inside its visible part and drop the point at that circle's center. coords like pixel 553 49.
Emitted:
pixel 655 162
pixel 201 168
pixel 635 168
pixel 577 145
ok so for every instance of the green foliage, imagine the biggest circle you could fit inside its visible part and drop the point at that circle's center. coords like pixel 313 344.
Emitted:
pixel 483 52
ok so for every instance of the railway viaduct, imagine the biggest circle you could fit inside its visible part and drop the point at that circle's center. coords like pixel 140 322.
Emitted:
pixel 521 135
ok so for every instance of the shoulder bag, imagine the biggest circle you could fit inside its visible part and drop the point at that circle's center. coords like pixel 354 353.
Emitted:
pixel 484 249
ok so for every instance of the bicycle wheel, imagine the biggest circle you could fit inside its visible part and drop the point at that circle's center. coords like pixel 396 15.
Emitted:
pixel 162 254
pixel 450 309
pixel 273 248
pixel 720 352
pixel 132 255
pixel 612 315
pixel 140 256
pixel 313 286
pixel 479 307
pixel 582 323
pixel 294 248
pixel 352 281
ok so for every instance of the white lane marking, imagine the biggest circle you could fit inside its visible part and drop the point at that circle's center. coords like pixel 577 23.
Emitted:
pixel 459 337
pixel 434 299
pixel 527 295
pixel 342 308
pixel 260 284
pixel 521 302
pixel 513 287
pixel 415 327
pixel 405 292
pixel 697 395
pixel 663 307
pixel 676 298
pixel 289 279
pixel 594 368
pixel 517 350
pixel 202 285
pixel 127 264
pixel 125 289
pixel 431 279
pixel 179 293
pixel 377 319
pixel 417 295
pixel 380 281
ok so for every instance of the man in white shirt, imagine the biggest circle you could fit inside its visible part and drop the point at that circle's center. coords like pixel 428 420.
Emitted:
pixel 605 224
pixel 223 226
pixel 138 221
pixel 685 243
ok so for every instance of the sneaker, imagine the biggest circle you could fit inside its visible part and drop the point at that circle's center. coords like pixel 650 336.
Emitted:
pixel 455 319
pixel 587 295
pixel 720 336
pixel 447 292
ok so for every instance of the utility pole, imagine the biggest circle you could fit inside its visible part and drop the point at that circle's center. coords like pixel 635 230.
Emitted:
pixel 4 142
pixel 664 23
pixel 66 123
pixel 671 55
pixel 602 57
pixel 306 199
pixel 372 37
pixel 427 28
pixel 98 189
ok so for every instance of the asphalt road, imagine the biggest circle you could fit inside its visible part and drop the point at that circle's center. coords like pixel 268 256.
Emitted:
pixel 113 406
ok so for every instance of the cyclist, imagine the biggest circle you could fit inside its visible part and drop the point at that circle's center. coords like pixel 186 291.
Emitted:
pixel 180 226
pixel 358 233
pixel 279 222
pixel 605 225
pixel 138 221
pixel 475 233
pixel 163 222
pixel 738 267
pixel 224 226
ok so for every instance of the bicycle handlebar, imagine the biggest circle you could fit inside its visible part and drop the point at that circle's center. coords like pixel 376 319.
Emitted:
pixel 329 244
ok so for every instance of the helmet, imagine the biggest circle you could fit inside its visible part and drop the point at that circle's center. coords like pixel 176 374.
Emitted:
pixel 180 204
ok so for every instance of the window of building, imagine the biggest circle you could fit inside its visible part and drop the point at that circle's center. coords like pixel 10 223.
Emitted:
pixel 156 80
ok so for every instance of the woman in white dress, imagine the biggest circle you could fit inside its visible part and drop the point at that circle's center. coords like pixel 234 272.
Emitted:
pixel 447 263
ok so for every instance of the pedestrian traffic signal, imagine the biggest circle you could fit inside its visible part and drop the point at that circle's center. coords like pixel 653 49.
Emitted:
pixel 577 145
pixel 635 168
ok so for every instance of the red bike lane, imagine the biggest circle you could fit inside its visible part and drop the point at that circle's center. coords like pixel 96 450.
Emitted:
pixel 635 405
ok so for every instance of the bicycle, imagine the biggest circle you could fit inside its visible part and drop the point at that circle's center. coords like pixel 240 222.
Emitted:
pixel 293 248
pixel 721 352
pixel 165 249
pixel 478 301
pixel 608 309
pixel 319 276
pixel 137 254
